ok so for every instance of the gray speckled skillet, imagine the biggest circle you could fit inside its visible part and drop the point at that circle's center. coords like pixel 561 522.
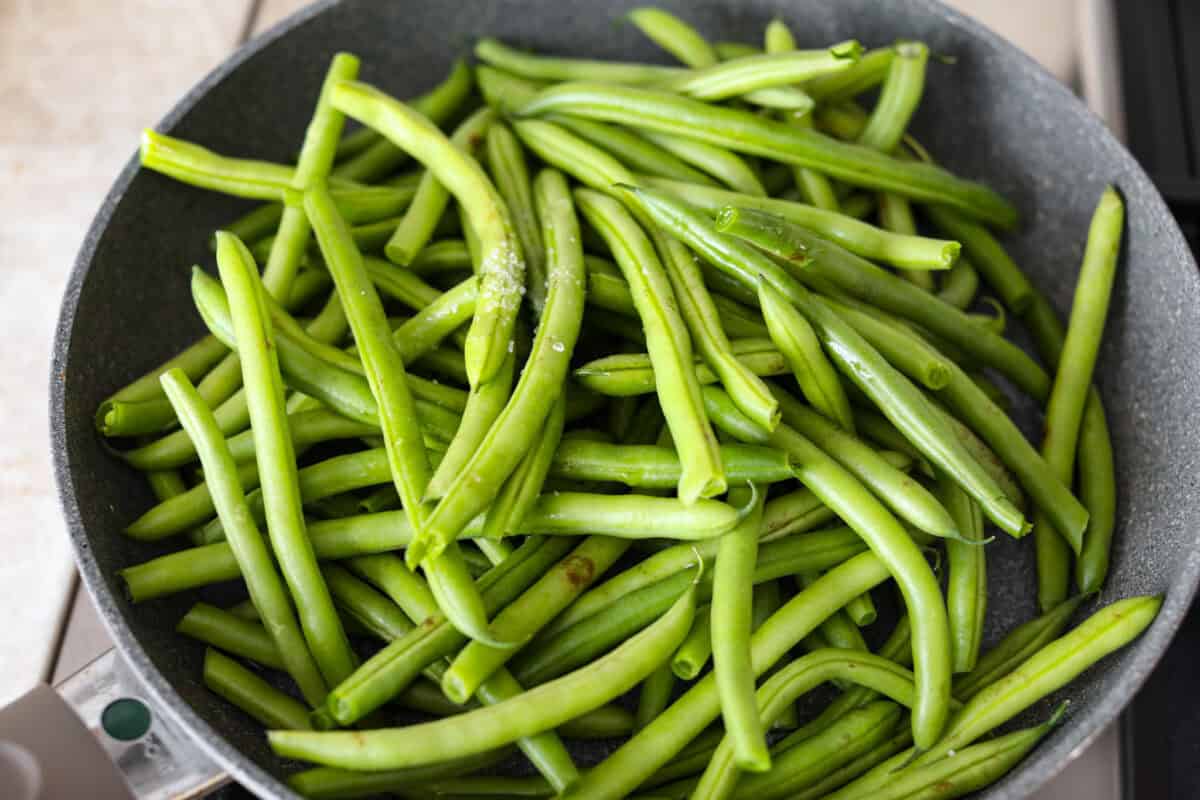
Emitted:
pixel 995 115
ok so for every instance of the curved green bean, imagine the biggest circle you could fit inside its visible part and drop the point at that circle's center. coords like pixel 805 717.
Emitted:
pixel 484 406
pixel 693 652
pixel 745 132
pixel 654 695
pixel 506 162
pixel 667 342
pixel 501 266
pixel 750 75
pixel 250 551
pixel 674 35
pixel 966 583
pixel 541 708
pixel 866 73
pixel 277 461
pixel 899 97
pixel 521 490
pixel 987 256
pixel 517 426
pixel 628 374
pixel 737 552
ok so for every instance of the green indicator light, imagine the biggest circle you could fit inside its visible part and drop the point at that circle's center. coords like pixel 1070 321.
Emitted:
pixel 126 719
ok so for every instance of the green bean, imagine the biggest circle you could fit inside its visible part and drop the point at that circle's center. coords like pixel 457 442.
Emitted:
pixel 459 600
pixel 744 132
pixel 795 512
pixel 381 360
pixel 674 35
pixel 195 362
pixel 165 484
pixel 897 397
pixel 256 224
pixel 634 149
pixel 899 97
pixel 417 226
pixel 966 584
pixel 866 73
pixel 539 709
pixel 873 285
pixel 652 467
pixel 750 75
pixel 877 750
pixel 312 167
pixel 633 373
pixel 629 516
pixel 988 256
pixel 667 341
pixel 501 271
pixel 252 694
pixel 354 142
pixel 798 678
pixel 532 610
pixel 276 459
pixel 439 105
pixel 858 205
pixel 522 488
pixel 506 161
pixel 724 165
pixel 972 768
pixel 859 731
pixel 861 610
pixel 239 637
pixel 731 619
pixel 545 68
pixel 739 321
pixel 484 405
pixel 329 783
pixel 796 339
pixel 814 188
pixel 658 742
pixel 1048 669
pixel 1015 649
pixel 838 631
pixel 1069 395
pixel 908 499
pixel 702 320
pixel 517 426
pixel 654 694
pixel 249 549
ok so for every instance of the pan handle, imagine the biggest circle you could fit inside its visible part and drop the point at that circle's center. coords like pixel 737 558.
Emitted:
pixel 98 735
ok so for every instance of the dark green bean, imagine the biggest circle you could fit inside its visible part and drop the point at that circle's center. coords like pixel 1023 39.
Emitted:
pixel 966 582
pixel 240 637
pixel 654 694
pixel 252 694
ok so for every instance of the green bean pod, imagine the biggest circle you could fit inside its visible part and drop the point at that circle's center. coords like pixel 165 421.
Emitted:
pixel 429 203
pixel 694 651
pixel 654 694
pixel 727 167
pixel 501 267
pixel 506 162
pixel 545 68
pixel 652 467
pixel 796 339
pixel 744 132
pixel 522 488
pixel 628 374
pixel 966 583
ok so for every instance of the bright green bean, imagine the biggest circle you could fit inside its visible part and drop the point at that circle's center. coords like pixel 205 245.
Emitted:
pixel 674 35
pixel 667 342
pixel 240 637
pixel 652 467
pixel 899 97
pixel 252 694
pixel 750 75
pixel 501 267
pixel 633 373
pixel 541 708
pixel 745 132
pixel 693 652
pixel 429 203
pixel 249 549
pixel 331 784
pixel 506 162
pixel 459 600
pixel 630 516
pixel 523 486
pixel 988 256
pixel 724 165
pixel 634 149
pixel 439 104
pixel 484 406
pixel 731 621
pixel 966 584
pixel 517 426
pixel 796 339
pixel 867 72
pixel 654 694
pixel 545 68
pixel 276 459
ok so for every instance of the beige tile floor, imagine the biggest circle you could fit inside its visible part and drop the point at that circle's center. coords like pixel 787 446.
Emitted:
pixel 78 80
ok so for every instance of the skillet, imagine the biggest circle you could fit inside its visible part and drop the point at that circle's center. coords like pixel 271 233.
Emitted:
pixel 994 115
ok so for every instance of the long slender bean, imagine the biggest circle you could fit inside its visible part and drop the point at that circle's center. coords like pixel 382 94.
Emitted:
pixel 546 68
pixel 501 266
pixel 277 461
pixel 654 694
pixel 966 583
pixel 652 467
pixel 634 149
pixel 745 132
pixel 724 165
pixel 693 652
pixel 860 238
pixel 484 406
pixel 988 256
pixel 327 782
pixel 633 373
pixel 517 426
pixel 249 550
pixel 521 490
pixel 752 75
pixel 232 634
pixel 429 203
pixel 538 709
pixel 731 620
pixel 506 162
pixel 439 104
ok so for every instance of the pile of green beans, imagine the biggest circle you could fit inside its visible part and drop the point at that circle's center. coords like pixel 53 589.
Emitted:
pixel 642 397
